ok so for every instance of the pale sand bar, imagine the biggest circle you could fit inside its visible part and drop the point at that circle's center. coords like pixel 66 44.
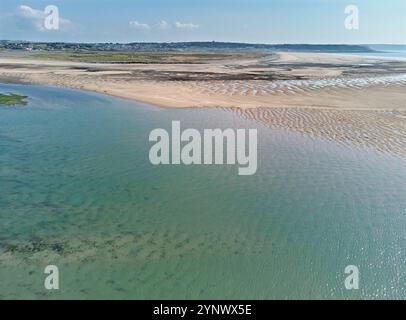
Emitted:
pixel 350 99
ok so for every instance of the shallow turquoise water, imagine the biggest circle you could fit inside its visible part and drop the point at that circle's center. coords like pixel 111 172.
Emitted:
pixel 77 191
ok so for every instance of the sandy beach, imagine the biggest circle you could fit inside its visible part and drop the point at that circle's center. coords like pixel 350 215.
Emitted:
pixel 345 98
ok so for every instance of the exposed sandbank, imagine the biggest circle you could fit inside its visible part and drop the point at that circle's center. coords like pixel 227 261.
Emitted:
pixel 349 99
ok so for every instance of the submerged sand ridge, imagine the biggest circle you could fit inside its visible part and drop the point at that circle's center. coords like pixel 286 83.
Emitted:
pixel 380 130
pixel 348 99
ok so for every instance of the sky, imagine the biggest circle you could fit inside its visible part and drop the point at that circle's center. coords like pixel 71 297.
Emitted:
pixel 252 21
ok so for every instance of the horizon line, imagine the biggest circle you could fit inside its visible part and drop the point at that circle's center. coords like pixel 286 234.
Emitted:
pixel 209 41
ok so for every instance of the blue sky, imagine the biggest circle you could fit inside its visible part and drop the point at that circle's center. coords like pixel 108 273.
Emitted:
pixel 254 21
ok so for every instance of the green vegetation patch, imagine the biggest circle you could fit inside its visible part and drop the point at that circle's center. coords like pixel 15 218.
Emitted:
pixel 13 100
pixel 138 57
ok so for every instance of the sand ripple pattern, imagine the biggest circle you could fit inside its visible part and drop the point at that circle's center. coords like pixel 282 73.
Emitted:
pixel 288 87
pixel 384 131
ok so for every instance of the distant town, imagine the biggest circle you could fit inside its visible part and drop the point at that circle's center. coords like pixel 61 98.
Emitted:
pixel 177 46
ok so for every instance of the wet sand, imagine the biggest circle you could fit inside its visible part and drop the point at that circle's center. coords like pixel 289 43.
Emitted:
pixel 381 130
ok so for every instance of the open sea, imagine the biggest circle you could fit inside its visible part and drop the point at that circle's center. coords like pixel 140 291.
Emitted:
pixel 77 191
pixel 386 54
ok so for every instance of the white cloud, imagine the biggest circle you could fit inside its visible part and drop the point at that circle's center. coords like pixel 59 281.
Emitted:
pixel 29 12
pixel 37 17
pixel 181 25
pixel 163 25
pixel 140 26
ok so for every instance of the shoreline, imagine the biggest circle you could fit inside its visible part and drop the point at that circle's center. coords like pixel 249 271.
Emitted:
pixel 231 106
pixel 380 130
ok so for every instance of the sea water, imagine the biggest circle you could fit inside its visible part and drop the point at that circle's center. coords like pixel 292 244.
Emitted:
pixel 77 191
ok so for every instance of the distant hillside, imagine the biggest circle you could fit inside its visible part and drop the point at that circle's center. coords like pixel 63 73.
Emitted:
pixel 179 46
